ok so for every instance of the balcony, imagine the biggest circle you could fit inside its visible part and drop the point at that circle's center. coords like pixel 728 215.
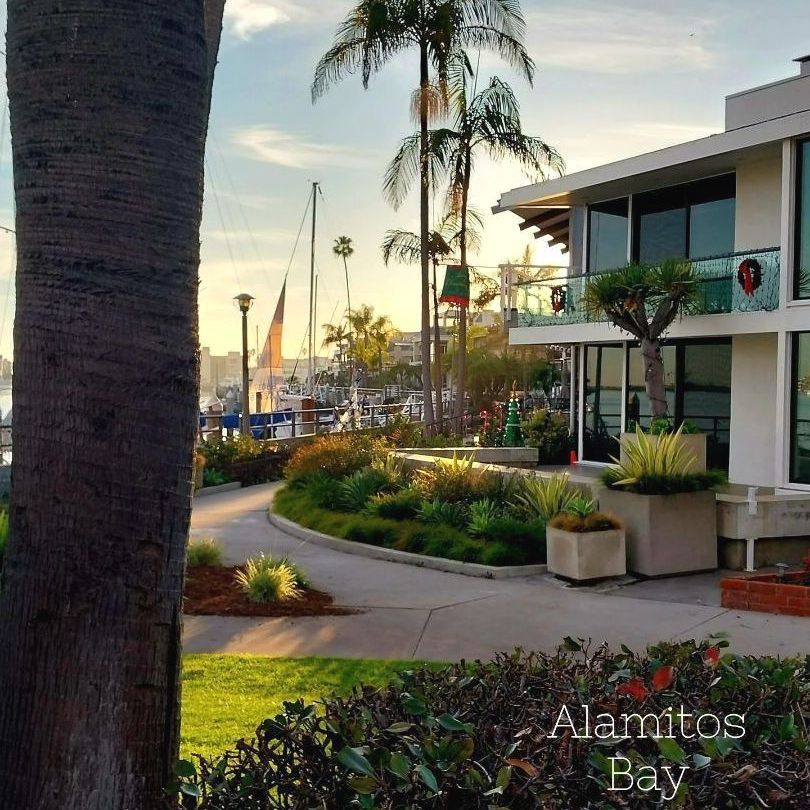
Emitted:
pixel 554 298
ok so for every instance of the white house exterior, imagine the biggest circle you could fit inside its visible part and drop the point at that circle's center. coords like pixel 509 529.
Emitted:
pixel 741 369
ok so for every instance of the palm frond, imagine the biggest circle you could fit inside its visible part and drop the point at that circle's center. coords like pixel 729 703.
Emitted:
pixel 401 246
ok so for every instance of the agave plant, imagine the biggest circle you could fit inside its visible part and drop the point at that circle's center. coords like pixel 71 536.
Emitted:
pixel 665 457
pixel 450 514
pixel 482 515
pixel 545 497
pixel 581 506
pixel 357 490
pixel 455 479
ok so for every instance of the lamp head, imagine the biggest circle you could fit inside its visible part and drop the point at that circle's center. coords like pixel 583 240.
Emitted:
pixel 244 302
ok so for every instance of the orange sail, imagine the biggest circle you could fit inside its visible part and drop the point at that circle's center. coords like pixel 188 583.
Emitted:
pixel 269 372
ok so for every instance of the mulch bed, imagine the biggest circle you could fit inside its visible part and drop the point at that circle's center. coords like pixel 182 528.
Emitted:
pixel 211 590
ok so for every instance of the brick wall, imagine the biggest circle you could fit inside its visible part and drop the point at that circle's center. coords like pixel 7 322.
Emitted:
pixel 763 593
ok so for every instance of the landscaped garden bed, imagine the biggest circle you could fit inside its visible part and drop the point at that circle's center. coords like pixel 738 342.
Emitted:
pixel 686 725
pixel 788 594
pixel 212 590
pixel 350 487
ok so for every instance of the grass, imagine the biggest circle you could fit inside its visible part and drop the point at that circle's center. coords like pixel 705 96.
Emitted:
pixel 509 545
pixel 225 697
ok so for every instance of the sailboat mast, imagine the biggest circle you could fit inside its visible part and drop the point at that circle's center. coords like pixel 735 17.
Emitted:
pixel 312 292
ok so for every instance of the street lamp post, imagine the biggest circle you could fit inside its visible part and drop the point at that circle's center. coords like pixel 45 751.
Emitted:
pixel 245 302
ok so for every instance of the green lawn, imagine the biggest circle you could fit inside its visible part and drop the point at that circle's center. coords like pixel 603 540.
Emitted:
pixel 225 697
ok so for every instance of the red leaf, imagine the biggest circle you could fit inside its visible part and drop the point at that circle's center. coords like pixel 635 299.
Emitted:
pixel 524 766
pixel 712 656
pixel 663 678
pixel 634 687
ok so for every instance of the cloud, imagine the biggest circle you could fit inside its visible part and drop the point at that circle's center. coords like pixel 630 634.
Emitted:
pixel 620 39
pixel 244 18
pixel 292 151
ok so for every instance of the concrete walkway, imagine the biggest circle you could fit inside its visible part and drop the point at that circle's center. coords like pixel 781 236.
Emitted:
pixel 410 612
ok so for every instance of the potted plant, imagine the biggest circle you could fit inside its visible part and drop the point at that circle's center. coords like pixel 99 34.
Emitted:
pixel 692 438
pixel 583 544
pixel 668 508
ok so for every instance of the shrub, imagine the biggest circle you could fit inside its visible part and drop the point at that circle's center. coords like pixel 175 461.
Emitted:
pixel 401 505
pixel 549 432
pixel 450 480
pixel 478 734
pixel 498 553
pixel 482 515
pixel 667 484
pixel 323 490
pixel 544 497
pixel 581 506
pixel 392 467
pixel 592 522
pixel 356 491
pixel 204 552
pixel 664 424
pixel 302 579
pixel 242 458
pixel 266 580
pixel 451 514
pixel 336 455
pixel 527 533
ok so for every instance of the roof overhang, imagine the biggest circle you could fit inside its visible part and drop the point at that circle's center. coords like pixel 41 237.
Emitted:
pixel 705 157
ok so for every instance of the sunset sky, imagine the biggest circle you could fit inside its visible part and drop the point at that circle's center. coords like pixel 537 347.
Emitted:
pixel 613 80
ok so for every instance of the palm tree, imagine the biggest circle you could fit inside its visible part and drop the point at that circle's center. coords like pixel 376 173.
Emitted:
pixel 405 247
pixel 489 122
pixel 108 207
pixel 375 31
pixel 381 332
pixel 344 249
pixel 337 335
pixel 644 301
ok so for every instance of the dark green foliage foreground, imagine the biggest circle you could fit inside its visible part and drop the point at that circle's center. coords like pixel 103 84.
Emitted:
pixel 478 737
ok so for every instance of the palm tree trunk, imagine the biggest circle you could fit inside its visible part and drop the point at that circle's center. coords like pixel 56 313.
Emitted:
pixel 654 377
pixel 349 311
pixel 462 320
pixel 424 227
pixel 437 351
pixel 108 181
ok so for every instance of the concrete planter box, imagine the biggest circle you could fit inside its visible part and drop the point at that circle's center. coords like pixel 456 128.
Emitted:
pixel 666 534
pixel 694 442
pixel 583 556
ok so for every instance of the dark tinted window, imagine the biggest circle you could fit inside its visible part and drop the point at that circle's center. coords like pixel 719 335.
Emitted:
pixel 711 228
pixel 607 236
pixel 603 401
pixel 800 392
pixel 802 276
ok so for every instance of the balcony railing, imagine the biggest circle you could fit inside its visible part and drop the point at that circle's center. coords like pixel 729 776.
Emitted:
pixel 724 287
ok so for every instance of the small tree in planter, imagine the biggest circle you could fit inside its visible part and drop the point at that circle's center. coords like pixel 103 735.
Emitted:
pixel 669 509
pixel 583 544
pixel 644 301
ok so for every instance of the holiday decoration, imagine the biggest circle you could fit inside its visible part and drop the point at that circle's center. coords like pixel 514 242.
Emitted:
pixel 456 288
pixel 558 298
pixel 513 435
pixel 749 276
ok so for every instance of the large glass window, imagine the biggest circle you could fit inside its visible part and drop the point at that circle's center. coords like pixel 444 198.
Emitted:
pixel 802 274
pixel 607 235
pixel 603 401
pixel 694 221
pixel 800 391
pixel 698 388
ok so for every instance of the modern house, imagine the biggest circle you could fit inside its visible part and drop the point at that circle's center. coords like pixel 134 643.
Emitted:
pixel 737 205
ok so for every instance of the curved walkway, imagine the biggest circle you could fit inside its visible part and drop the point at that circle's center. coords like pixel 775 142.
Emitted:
pixel 410 612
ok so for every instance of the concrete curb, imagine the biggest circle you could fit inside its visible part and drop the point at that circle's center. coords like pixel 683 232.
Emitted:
pixel 206 491
pixel 404 557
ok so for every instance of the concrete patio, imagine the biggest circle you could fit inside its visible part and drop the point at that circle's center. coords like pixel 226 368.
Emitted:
pixel 409 612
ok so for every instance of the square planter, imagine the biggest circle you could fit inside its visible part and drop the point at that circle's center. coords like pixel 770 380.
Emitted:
pixel 583 556
pixel 694 442
pixel 666 534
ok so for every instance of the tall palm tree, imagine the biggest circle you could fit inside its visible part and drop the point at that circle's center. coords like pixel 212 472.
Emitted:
pixel 338 335
pixel 375 31
pixel 488 122
pixel 405 247
pixel 108 207
pixel 344 249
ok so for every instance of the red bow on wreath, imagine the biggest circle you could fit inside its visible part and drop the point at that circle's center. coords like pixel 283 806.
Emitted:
pixel 558 298
pixel 749 276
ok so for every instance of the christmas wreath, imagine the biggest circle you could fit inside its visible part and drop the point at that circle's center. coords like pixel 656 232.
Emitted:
pixel 749 276
pixel 558 298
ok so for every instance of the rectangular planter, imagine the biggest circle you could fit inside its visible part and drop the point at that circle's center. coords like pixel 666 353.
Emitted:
pixel 694 442
pixel 764 593
pixel 666 534
pixel 583 556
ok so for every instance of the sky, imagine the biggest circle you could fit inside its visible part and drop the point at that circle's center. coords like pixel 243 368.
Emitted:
pixel 613 80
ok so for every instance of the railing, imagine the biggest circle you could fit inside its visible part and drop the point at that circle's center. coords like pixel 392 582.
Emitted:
pixel 291 423
pixel 724 287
